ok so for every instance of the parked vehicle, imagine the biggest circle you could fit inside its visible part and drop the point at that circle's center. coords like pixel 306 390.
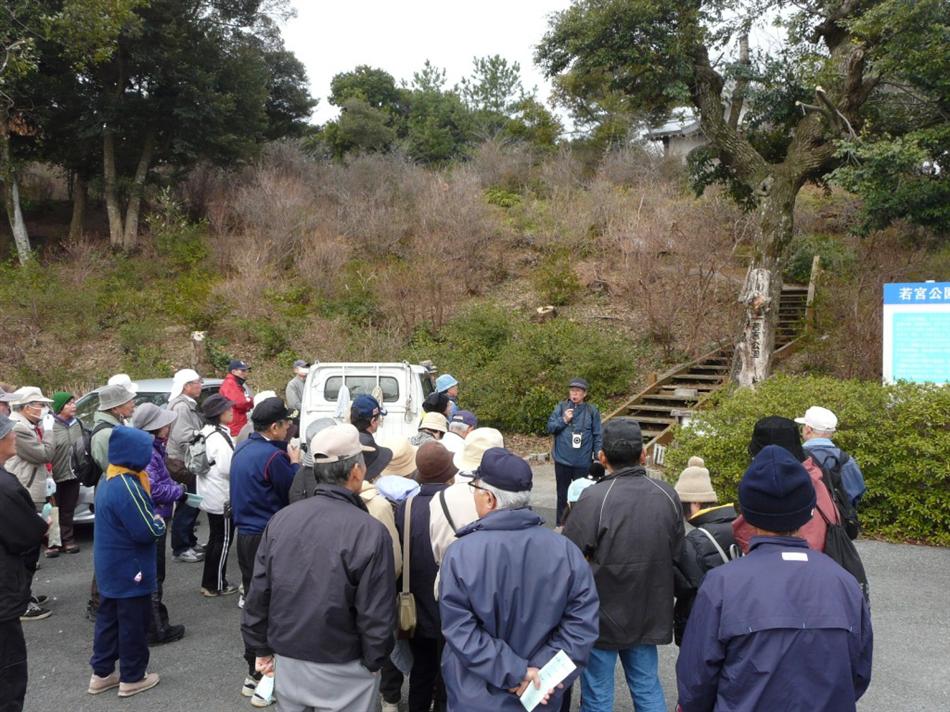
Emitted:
pixel 150 390
pixel 403 387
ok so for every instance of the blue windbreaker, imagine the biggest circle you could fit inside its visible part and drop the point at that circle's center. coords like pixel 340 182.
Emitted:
pixel 261 476
pixel 783 628
pixel 511 595
pixel 824 451
pixel 586 421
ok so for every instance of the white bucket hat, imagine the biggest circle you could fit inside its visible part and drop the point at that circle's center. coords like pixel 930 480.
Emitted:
pixel 477 442
pixel 29 394
pixel 123 379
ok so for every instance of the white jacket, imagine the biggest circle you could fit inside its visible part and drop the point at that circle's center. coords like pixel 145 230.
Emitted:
pixel 215 487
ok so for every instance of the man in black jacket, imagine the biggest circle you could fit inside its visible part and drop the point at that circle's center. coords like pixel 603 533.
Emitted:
pixel 630 528
pixel 21 534
pixel 330 642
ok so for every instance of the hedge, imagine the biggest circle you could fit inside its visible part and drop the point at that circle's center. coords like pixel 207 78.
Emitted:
pixel 899 435
pixel 513 371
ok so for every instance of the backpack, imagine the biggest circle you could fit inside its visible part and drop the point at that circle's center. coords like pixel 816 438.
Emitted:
pixel 196 454
pixel 839 547
pixel 81 461
pixel 835 485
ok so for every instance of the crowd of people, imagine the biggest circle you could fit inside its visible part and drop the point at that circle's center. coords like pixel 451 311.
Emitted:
pixel 422 561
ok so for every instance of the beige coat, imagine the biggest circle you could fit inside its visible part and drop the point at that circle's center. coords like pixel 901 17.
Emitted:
pixel 32 456
pixel 381 510
pixel 461 505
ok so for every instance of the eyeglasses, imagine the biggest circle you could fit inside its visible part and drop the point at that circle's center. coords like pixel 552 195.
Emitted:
pixel 475 486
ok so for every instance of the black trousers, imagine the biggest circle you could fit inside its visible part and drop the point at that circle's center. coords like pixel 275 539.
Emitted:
pixel 390 682
pixel 67 496
pixel 13 671
pixel 425 680
pixel 215 574
pixel 247 551
pixel 159 618
pixel 564 475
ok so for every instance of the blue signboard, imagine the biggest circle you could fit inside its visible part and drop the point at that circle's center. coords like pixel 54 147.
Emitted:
pixel 917 332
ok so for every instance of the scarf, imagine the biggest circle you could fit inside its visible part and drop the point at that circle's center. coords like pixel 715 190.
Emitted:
pixel 116 470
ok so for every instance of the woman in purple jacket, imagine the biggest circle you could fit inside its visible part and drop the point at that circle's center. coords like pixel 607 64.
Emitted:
pixel 165 492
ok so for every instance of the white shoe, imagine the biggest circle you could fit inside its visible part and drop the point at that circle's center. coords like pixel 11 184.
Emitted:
pixel 390 706
pixel 189 556
pixel 250 684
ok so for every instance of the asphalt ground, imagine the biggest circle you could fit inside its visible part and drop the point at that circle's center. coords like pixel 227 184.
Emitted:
pixel 204 671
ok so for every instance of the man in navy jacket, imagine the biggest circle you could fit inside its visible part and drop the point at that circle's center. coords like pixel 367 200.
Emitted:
pixel 262 471
pixel 784 627
pixel 512 594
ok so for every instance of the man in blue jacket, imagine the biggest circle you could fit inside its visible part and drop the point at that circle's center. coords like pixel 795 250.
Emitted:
pixel 818 426
pixel 127 528
pixel 784 627
pixel 575 425
pixel 262 472
pixel 512 594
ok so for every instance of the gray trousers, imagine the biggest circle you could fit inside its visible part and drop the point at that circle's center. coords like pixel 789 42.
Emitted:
pixel 303 686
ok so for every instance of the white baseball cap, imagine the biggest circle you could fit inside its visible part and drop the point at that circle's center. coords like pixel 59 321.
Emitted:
pixel 818 418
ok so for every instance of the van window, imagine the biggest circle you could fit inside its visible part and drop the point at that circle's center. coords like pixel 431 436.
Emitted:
pixel 362 385
pixel 427 386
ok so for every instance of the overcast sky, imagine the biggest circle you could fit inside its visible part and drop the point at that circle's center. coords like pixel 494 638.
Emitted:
pixel 398 36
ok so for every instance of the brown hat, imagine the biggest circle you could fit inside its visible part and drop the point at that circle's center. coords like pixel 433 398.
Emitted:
pixel 434 463
pixel 694 484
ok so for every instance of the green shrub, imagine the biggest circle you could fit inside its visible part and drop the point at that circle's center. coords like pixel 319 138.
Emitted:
pixel 897 434
pixel 835 256
pixel 512 371
pixel 502 198
pixel 554 280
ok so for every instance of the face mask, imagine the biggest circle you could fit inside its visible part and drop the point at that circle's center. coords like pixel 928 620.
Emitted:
pixel 44 411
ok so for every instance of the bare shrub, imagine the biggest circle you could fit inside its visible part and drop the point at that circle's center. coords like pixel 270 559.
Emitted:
pixel 503 164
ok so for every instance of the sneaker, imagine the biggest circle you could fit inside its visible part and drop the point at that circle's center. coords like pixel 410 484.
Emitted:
pixel 91 612
pixel 98 685
pixel 34 612
pixel 258 701
pixel 241 601
pixel 200 548
pixel 52 552
pixel 250 684
pixel 127 689
pixel 71 548
pixel 168 635
pixel 228 590
pixel 189 556
pixel 39 600
pixel 390 706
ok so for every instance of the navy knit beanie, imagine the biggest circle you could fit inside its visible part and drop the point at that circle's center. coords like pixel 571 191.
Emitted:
pixel 776 492
pixel 130 447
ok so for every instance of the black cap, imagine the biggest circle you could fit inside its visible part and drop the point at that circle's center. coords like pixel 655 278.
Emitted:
pixel 377 459
pixel 503 469
pixel 238 365
pixel 269 411
pixel 776 430
pixel 623 429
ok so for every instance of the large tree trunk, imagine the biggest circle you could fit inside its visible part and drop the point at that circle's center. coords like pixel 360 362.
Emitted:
pixel 762 289
pixel 109 189
pixel 79 207
pixel 11 198
pixel 135 194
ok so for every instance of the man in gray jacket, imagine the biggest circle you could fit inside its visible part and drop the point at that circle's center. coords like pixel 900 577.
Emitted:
pixel 331 642
pixel 630 528
pixel 183 400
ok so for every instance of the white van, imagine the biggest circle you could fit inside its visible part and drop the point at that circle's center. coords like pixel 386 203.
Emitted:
pixel 403 386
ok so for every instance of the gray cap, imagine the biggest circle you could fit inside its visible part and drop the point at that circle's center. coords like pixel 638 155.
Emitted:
pixel 6 425
pixel 149 417
pixel 113 396
pixel 315 427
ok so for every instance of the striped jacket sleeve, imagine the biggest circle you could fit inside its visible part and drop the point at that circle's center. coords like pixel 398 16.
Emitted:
pixel 136 511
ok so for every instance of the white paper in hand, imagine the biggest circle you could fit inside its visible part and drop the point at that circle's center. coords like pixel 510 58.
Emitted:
pixel 552 675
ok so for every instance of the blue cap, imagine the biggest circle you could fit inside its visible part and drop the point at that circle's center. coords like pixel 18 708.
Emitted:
pixel 130 447
pixel 238 365
pixel 366 406
pixel 776 492
pixel 465 416
pixel 445 382
pixel 503 469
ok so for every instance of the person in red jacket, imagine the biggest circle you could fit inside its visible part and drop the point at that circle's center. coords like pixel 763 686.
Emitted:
pixel 235 390
pixel 775 430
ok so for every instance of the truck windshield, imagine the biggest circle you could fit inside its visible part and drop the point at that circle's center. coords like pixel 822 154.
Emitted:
pixel 362 384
